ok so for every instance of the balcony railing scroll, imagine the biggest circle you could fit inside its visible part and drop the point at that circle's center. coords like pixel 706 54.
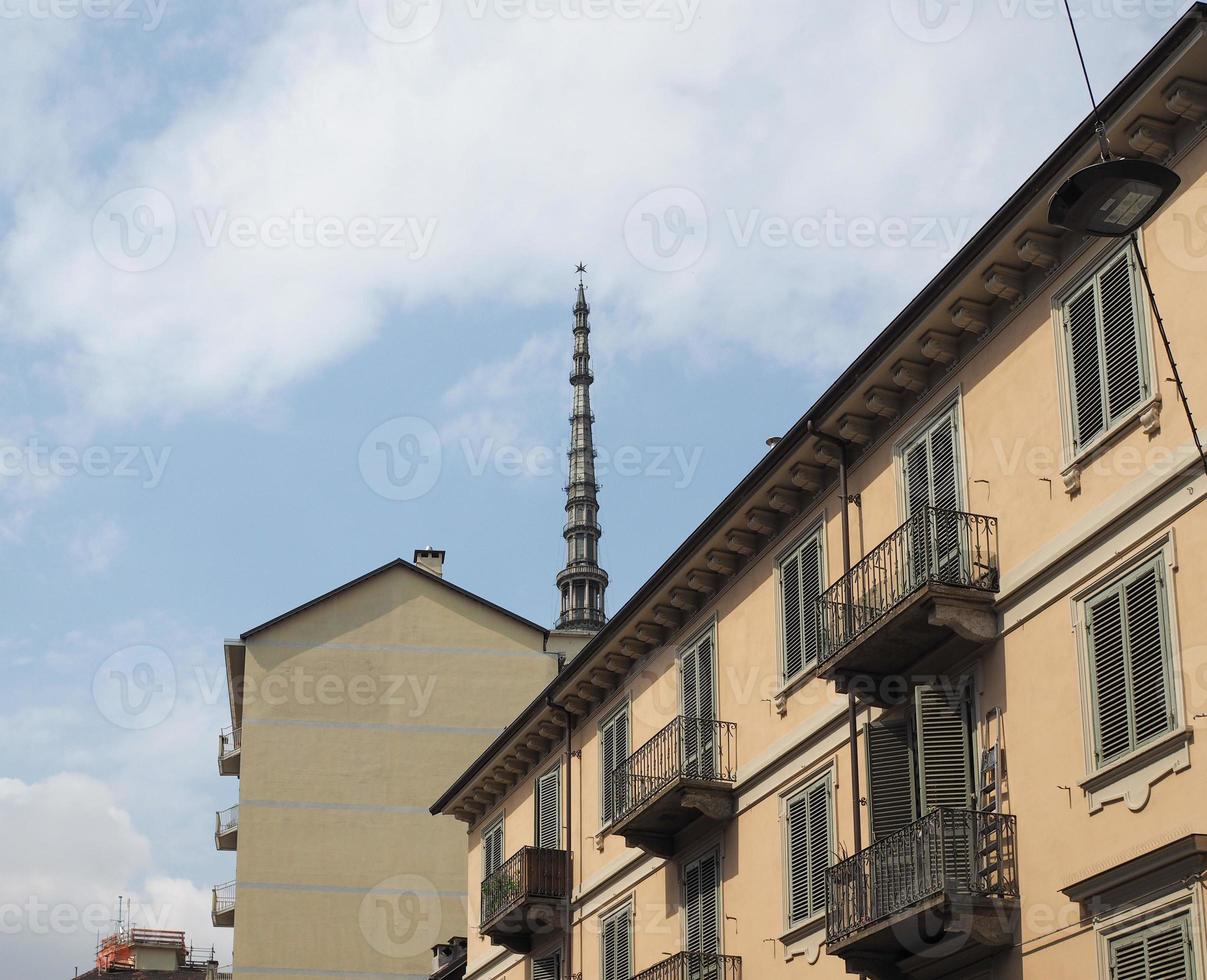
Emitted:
pixel 695 966
pixel 966 853
pixel 530 873
pixel 688 748
pixel 933 547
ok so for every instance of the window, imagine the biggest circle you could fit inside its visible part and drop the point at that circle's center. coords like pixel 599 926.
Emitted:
pixel 1130 662
pixel 616 945
pixel 1160 952
pixel 492 849
pixel 930 473
pixel 697 668
pixel 547 968
pixel 702 905
pixel 613 750
pixel 800 586
pixel 810 829
pixel 1107 374
pixel 548 809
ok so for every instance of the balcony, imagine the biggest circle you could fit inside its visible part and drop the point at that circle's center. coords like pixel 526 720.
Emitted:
pixel 695 966
pixel 525 897
pixel 933 897
pixel 222 907
pixel 230 746
pixel 226 829
pixel 917 603
pixel 685 772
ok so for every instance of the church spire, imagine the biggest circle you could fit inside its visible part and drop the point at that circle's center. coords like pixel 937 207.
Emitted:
pixel 582 582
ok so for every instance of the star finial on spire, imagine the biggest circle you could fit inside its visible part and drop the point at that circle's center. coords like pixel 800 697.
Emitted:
pixel 581 270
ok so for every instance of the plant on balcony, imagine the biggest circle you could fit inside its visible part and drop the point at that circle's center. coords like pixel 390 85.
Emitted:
pixel 498 892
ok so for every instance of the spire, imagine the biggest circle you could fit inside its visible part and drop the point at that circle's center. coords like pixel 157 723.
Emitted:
pixel 582 582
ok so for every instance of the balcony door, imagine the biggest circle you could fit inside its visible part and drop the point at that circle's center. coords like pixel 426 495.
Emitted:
pixel 698 685
pixel 930 473
pixel 702 916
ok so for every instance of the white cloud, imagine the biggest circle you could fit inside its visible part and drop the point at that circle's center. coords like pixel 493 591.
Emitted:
pixel 93 549
pixel 528 142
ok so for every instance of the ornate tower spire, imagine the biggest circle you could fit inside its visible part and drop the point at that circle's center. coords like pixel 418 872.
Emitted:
pixel 582 582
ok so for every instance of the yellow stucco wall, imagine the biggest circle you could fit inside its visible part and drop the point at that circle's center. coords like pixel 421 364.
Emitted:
pixel 354 713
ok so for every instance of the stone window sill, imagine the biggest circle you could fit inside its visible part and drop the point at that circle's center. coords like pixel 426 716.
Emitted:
pixel 1131 778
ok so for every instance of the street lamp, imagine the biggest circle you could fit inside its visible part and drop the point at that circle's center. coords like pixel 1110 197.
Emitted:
pixel 1112 199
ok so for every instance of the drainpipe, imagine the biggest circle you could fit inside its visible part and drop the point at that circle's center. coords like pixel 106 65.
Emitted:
pixel 852 707
pixel 568 932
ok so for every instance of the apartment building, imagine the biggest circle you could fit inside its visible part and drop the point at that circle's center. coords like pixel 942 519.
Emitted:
pixel 921 696
pixel 347 713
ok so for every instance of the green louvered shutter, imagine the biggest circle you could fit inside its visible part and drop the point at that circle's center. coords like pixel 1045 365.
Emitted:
pixel 614 749
pixel 1129 663
pixel 547 968
pixel 548 810
pixel 1104 345
pixel 892 800
pixel 931 474
pixel 809 833
pixel 1161 952
pixel 790 603
pixel 697 669
pixel 492 849
pixel 944 736
pixel 800 587
pixel 702 906
pixel 617 946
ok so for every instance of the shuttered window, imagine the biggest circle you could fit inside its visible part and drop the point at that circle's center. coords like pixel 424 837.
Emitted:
pixel 931 477
pixel 1105 349
pixel 547 968
pixel 892 799
pixel 697 668
pixel 492 849
pixel 702 905
pixel 548 809
pixel 1161 952
pixel 614 749
pixel 944 745
pixel 1130 662
pixel 809 830
pixel 800 585
pixel 616 942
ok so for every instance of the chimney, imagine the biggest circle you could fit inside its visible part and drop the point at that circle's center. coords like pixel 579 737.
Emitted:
pixel 430 560
pixel 211 970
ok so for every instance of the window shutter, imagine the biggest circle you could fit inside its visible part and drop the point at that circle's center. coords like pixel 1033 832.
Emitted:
pixel 614 738
pixel 1081 328
pixel 702 906
pixel 1129 663
pixel 808 851
pixel 549 968
pixel 1120 339
pixel 699 708
pixel 890 763
pixel 790 603
pixel 1162 952
pixel 492 850
pixel 548 810
pixel 931 474
pixel 944 746
pixel 617 946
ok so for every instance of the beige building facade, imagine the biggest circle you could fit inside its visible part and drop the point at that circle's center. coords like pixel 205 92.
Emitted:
pixel 347 714
pixel 1017 642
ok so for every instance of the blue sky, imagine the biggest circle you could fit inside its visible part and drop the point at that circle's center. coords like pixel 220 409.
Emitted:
pixel 754 190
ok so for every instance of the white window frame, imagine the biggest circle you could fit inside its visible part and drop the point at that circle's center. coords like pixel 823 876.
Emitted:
pixel 1166 550
pixel 815 530
pixel 829 776
pixel 1155 913
pixel 1075 456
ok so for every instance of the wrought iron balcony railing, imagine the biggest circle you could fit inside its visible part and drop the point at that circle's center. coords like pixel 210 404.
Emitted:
pixel 933 547
pixel 532 873
pixel 700 749
pixel 960 853
pixel 695 966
